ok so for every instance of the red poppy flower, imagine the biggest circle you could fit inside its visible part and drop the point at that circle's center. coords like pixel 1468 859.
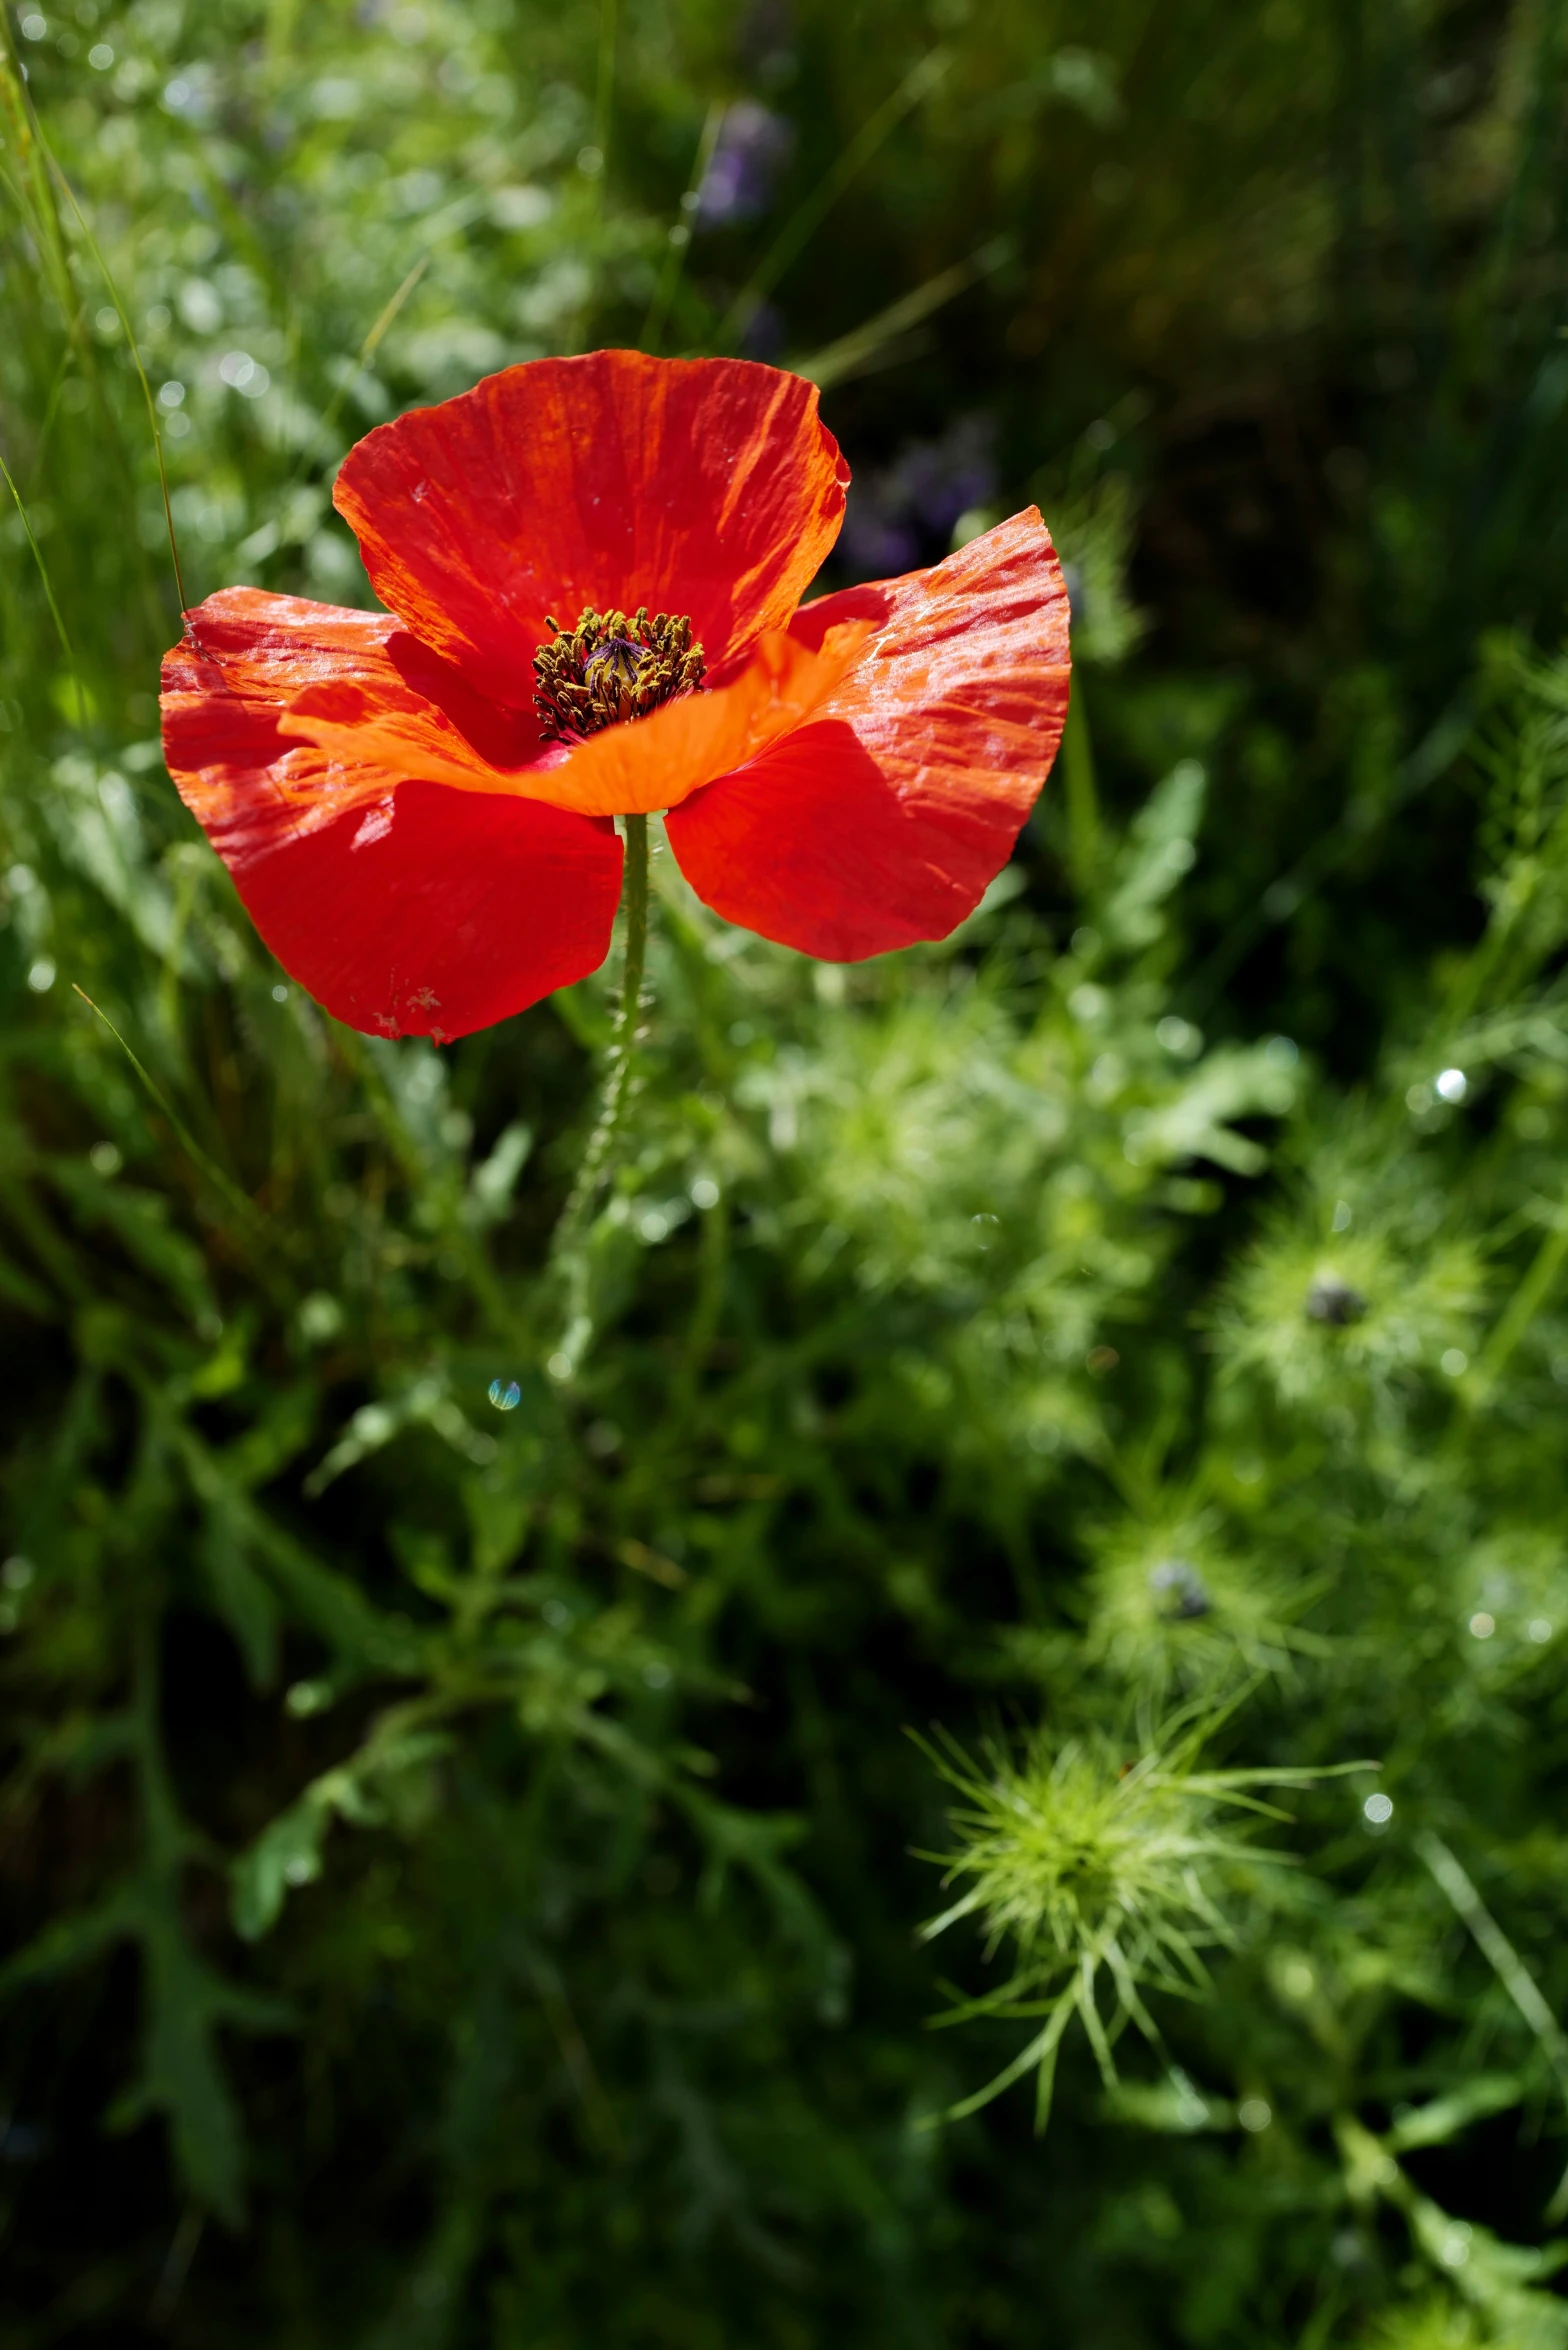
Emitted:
pixel 416 804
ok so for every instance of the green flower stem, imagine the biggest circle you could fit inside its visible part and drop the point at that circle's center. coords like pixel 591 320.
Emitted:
pixel 617 1084
pixel 634 897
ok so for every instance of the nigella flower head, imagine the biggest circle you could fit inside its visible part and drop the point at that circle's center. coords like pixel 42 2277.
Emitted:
pixel 591 571
pixel 1107 1874
pixel 752 147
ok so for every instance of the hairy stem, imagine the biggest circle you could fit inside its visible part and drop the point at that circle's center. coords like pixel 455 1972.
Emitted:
pixel 617 1083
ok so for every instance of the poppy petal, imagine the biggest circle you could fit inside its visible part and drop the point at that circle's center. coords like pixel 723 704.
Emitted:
pixel 404 905
pixel 881 820
pixel 438 911
pixel 703 487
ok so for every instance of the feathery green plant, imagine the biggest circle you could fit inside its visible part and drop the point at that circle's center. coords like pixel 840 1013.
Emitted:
pixel 1095 1868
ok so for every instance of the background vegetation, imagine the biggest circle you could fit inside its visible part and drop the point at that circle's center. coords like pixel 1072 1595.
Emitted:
pixel 467 1876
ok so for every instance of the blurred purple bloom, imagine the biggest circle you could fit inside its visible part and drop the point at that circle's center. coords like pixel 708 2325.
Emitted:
pixel 937 481
pixel 752 145
pixel 902 515
pixel 871 545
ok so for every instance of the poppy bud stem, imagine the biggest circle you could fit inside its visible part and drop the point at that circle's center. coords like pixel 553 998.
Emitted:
pixel 634 898
pixel 617 1085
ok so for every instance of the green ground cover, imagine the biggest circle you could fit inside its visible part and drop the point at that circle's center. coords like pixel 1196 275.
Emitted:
pixel 1044 1569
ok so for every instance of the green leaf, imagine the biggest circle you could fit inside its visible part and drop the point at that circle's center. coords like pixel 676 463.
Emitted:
pixel 287 1853
pixel 1442 2119
pixel 1158 854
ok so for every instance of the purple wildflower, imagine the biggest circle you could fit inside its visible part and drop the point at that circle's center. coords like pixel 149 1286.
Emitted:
pixel 752 145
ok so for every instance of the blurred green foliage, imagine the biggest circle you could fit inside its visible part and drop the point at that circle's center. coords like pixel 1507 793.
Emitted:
pixel 462 1852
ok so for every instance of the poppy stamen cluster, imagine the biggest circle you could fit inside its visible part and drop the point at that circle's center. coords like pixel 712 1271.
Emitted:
pixel 609 668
